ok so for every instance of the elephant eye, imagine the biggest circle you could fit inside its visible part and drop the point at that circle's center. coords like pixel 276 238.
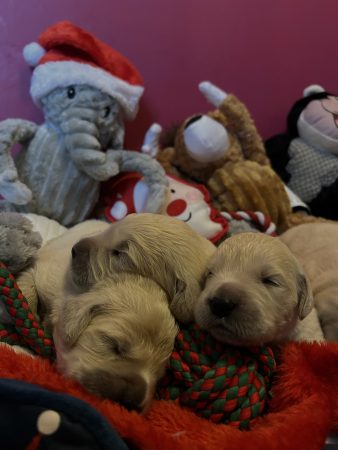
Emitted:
pixel 71 92
pixel 106 112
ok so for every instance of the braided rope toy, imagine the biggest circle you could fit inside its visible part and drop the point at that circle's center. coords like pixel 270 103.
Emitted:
pixel 264 223
pixel 221 383
pixel 26 330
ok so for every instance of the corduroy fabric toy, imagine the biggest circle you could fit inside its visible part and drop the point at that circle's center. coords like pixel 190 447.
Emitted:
pixel 224 150
pixel 220 383
pixel 86 90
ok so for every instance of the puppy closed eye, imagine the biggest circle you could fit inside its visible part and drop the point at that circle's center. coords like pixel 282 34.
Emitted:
pixel 120 250
pixel 115 347
pixel 270 281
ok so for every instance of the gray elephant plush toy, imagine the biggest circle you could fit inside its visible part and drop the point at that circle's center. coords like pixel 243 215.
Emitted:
pixel 86 90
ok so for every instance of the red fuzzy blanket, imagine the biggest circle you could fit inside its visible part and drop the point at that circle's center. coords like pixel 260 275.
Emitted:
pixel 303 410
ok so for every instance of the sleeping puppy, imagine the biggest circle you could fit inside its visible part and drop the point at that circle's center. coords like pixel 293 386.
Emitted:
pixel 315 245
pixel 105 292
pixel 162 248
pixel 116 338
pixel 256 292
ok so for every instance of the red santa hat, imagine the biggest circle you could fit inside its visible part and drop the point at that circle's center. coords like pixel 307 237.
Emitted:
pixel 66 54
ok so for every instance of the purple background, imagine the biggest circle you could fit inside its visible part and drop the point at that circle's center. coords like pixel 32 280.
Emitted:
pixel 263 51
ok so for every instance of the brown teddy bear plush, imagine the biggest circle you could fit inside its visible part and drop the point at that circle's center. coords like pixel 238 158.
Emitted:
pixel 223 150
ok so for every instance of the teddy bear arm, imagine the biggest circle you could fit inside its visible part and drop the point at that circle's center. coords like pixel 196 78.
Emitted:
pixel 241 124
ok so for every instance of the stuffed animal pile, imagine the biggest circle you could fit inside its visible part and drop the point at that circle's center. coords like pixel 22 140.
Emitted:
pixel 223 150
pixel 213 172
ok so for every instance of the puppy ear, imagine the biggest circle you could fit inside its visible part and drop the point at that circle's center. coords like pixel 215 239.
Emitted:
pixel 184 299
pixel 75 318
pixel 305 298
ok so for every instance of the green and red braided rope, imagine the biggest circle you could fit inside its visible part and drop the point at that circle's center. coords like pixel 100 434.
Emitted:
pixel 26 329
pixel 220 383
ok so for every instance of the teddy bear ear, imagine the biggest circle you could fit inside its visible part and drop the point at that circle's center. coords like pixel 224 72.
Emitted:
pixel 312 89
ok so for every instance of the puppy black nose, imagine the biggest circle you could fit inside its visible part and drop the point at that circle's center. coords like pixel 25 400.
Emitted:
pixel 221 307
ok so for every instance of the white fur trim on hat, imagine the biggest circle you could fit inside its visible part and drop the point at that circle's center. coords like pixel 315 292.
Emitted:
pixel 51 75
pixel 32 53
pixel 313 89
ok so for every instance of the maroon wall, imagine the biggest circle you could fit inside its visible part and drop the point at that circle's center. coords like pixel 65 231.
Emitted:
pixel 264 51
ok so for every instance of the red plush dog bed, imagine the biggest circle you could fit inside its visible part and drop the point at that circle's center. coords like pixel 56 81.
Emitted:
pixel 302 412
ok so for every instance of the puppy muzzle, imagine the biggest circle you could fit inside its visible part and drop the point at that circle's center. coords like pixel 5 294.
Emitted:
pixel 130 390
pixel 227 298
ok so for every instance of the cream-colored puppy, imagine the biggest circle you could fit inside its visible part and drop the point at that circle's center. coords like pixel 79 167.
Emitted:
pixel 256 292
pixel 162 248
pixel 105 291
pixel 115 338
pixel 315 245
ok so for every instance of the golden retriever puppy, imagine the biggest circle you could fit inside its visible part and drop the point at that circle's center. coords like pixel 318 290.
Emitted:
pixel 162 248
pixel 256 292
pixel 315 245
pixel 105 291
pixel 116 338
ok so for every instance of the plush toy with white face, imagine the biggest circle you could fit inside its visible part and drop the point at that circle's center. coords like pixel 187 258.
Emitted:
pixel 306 157
pixel 127 193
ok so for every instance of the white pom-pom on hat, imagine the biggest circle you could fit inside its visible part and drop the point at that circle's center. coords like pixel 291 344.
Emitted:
pixel 313 89
pixel 32 53
pixel 48 422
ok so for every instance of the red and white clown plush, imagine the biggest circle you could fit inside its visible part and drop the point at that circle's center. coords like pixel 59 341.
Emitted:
pixel 127 193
